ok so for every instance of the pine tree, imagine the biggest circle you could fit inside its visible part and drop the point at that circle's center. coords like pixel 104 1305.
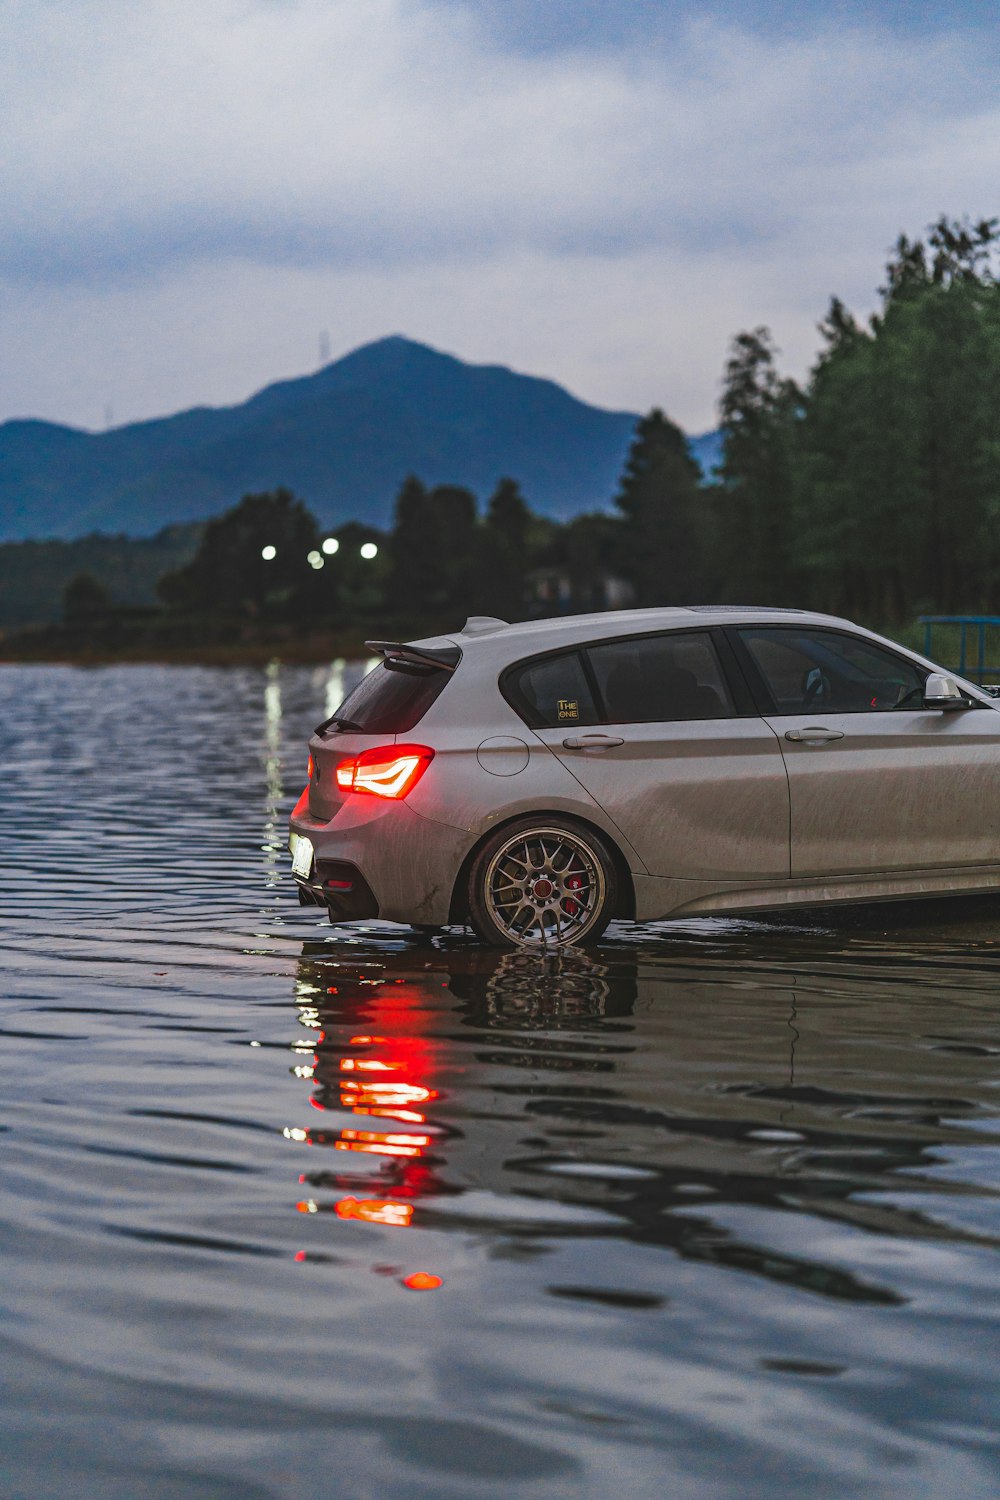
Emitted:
pixel 759 410
pixel 661 550
pixel 506 553
pixel 414 561
pixel 84 600
pixel 252 561
pixel 899 451
pixel 433 552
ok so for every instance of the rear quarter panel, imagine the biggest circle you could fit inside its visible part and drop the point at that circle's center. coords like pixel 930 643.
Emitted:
pixel 458 790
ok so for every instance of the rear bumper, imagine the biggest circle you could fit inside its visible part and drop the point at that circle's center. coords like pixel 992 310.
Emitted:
pixel 400 867
pixel 340 888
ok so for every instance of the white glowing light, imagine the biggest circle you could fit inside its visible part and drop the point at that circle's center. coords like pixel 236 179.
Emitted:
pixel 368 551
pixel 268 553
pixel 331 545
pixel 315 559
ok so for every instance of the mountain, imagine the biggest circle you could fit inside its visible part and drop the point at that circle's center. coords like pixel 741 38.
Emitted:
pixel 343 439
pixel 707 451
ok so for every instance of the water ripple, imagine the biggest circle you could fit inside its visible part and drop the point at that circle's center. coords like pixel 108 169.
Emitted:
pixel 710 1212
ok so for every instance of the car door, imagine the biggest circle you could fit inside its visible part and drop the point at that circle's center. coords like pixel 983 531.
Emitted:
pixel 657 734
pixel 878 782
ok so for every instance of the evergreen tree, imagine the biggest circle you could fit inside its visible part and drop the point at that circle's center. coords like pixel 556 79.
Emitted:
pixel 414 562
pixel 898 490
pixel 84 600
pixel 759 411
pixel 505 553
pixel 589 545
pixel 660 545
pixel 363 583
pixel 433 551
pixel 508 517
pixel 230 575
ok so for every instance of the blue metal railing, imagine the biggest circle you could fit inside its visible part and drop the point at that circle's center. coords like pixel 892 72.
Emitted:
pixel 979 624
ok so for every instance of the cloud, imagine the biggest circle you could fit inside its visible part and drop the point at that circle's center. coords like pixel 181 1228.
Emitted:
pixel 350 131
pixel 378 149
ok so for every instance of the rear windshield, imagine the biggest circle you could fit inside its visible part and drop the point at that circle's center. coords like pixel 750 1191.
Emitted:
pixel 390 699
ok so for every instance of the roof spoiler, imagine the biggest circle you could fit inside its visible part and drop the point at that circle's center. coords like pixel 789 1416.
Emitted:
pixel 430 658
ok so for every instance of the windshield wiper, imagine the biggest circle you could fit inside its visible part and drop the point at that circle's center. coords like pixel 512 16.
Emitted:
pixel 340 723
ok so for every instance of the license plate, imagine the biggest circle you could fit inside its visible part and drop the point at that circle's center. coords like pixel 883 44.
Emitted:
pixel 302 855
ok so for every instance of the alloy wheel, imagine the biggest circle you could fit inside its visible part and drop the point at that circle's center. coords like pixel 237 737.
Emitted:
pixel 545 885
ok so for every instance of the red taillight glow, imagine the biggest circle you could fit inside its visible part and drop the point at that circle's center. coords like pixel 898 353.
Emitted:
pixel 376 1211
pixel 386 771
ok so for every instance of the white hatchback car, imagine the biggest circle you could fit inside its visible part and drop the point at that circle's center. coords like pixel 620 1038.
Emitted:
pixel 539 779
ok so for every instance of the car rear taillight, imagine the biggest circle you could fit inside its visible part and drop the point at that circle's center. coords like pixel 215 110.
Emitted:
pixel 386 771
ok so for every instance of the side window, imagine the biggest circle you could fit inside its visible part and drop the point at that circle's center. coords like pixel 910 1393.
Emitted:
pixel 554 692
pixel 807 671
pixel 660 678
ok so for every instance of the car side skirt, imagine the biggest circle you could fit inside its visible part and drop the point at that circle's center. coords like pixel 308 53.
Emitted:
pixel 657 899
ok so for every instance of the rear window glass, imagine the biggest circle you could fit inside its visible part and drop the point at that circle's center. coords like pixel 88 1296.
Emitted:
pixel 554 692
pixel 660 678
pixel 391 700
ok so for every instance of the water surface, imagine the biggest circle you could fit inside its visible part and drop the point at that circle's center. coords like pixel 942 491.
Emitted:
pixel 711 1210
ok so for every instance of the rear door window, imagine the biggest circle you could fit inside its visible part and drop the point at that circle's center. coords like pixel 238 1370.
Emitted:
pixel 661 678
pixel 553 692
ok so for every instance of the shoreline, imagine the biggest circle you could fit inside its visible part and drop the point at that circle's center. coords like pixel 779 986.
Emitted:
pixel 308 651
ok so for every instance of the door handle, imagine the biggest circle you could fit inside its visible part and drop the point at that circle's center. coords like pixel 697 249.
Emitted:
pixel 813 734
pixel 592 741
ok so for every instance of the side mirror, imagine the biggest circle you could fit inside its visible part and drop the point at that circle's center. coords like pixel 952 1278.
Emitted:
pixel 943 692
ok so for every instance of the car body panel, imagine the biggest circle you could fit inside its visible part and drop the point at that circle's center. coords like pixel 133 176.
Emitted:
pixel 326 798
pixel 408 861
pixel 459 789
pixel 700 798
pixel 909 790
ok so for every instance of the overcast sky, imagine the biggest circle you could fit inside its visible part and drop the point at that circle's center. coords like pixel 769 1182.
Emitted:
pixel 602 191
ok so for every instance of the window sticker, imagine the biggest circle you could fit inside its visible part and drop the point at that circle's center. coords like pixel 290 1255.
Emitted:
pixel 569 708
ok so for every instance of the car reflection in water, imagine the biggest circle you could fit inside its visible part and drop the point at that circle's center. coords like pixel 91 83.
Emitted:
pixel 688 1098
pixel 387 1082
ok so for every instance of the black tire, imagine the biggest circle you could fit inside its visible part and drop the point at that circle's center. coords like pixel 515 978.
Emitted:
pixel 541 880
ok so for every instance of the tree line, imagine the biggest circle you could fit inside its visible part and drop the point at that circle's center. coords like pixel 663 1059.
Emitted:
pixel 874 491
pixel 871 490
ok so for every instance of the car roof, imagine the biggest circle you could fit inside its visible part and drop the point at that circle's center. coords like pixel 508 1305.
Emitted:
pixel 487 638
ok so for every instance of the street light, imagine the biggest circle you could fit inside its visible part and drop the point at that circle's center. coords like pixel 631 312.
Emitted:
pixel 315 559
pixel 368 551
pixel 269 553
pixel 331 545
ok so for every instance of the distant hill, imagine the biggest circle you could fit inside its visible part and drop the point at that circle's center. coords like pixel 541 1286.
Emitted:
pixel 343 439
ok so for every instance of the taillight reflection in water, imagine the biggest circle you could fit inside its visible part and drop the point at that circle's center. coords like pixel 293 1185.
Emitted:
pixel 383 1080
pixel 382 1039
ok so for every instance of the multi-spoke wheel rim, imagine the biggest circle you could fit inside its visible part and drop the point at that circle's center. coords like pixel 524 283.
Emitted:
pixel 544 886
